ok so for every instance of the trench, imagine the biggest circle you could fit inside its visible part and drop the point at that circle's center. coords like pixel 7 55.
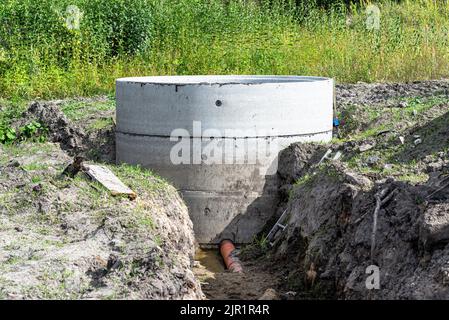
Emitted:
pixel 217 283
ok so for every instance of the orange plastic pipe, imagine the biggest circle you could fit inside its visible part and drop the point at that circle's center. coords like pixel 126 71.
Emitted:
pixel 226 249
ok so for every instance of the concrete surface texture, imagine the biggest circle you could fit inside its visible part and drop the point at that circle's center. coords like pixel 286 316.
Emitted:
pixel 217 138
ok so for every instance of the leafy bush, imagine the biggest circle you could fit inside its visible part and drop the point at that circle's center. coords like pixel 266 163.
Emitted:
pixel 7 134
pixel 33 131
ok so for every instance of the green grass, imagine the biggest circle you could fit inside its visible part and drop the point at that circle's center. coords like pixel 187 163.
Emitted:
pixel 40 57
pixel 35 166
pixel 420 105
pixel 80 110
pixel 100 124
pixel 36 179
pixel 139 178
pixel 425 116
pixel 304 180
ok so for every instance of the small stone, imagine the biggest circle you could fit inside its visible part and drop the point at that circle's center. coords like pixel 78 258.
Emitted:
pixel 358 179
pixel 349 21
pixel 428 159
pixel 269 294
pixel 402 104
pixel 434 166
pixel 443 275
pixel 401 139
pixel 15 296
pixel 435 225
pixel 372 160
pixel 117 245
pixel 289 295
pixel 37 187
pixel 366 147
pixel 13 163
pixel 388 166
pixel 417 141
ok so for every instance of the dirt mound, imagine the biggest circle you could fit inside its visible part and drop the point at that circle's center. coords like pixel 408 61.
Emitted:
pixel 326 248
pixel 411 139
pixel 388 94
pixel 73 137
pixel 436 133
pixel 72 239
pixel 297 159
pixel 61 130
pixel 63 238
pixel 394 138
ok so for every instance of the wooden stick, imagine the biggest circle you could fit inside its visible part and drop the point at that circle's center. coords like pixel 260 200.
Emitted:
pixel 384 201
pixel 373 232
pixel 379 204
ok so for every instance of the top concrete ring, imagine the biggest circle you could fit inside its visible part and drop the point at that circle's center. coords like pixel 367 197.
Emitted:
pixel 227 106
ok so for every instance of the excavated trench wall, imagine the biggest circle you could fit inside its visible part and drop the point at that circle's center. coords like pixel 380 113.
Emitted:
pixel 217 139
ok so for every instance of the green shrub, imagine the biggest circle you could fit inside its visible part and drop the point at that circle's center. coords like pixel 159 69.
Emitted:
pixel 7 134
pixel 33 131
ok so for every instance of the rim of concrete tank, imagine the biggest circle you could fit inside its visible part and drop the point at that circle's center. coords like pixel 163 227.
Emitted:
pixel 221 79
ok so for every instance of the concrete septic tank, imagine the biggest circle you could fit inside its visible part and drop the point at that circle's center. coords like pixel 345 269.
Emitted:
pixel 217 138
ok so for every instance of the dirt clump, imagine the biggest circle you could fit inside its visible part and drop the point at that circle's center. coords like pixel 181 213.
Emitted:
pixel 74 137
pixel 70 239
pixel 69 136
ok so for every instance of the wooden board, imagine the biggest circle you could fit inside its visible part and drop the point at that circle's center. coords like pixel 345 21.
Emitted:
pixel 109 180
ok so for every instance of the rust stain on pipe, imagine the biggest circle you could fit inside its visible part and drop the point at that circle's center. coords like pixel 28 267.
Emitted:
pixel 227 250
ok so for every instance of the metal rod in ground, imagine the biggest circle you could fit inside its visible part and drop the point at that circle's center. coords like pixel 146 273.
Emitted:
pixel 276 227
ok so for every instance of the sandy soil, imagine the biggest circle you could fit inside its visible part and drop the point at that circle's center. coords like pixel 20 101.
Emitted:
pixel 68 238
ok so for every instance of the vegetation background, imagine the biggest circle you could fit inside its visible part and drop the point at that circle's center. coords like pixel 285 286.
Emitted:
pixel 62 48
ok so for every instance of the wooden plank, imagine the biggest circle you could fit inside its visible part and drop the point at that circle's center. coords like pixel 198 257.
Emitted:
pixel 109 180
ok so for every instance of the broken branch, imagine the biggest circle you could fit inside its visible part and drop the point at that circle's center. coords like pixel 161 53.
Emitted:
pixel 379 203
